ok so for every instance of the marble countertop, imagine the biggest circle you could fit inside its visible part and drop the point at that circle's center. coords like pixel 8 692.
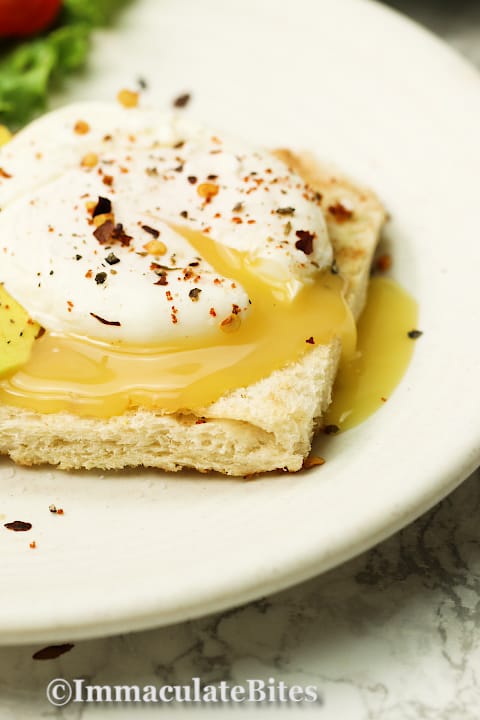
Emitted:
pixel 391 635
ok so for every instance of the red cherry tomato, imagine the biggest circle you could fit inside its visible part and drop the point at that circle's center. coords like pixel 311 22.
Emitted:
pixel 20 18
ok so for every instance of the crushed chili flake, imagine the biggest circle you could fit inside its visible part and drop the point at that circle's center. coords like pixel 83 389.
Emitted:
pixel 105 322
pixel 52 651
pixel 207 190
pixel 110 233
pixel 331 429
pixel 151 231
pixel 310 340
pixel 383 262
pixel 162 278
pixel 212 312
pixel 237 220
pixel 231 323
pixel 100 219
pixel 340 212
pixel 81 127
pixel 192 179
pixel 414 334
pixel 313 461
pixel 168 295
pixel 18 526
pixel 200 421
pixel 4 174
pixel 128 98
pixel 88 274
pixel 107 180
pixel 182 100
pixel 194 294
pixel 102 207
pixel 305 241
pixel 33 545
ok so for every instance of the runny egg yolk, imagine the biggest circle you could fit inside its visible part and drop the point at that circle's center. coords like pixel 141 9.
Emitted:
pixel 66 373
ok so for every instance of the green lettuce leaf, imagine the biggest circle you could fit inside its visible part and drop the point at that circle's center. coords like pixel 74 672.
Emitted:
pixel 28 69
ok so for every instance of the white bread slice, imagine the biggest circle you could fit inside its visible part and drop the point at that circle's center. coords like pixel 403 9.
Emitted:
pixel 262 427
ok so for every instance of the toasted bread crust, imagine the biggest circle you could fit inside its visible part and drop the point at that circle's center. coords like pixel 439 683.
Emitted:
pixel 265 426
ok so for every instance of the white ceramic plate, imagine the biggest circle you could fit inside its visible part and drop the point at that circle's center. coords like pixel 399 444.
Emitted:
pixel 390 104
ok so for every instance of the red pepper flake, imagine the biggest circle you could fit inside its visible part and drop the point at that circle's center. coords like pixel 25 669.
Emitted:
pixel 192 179
pixel 200 421
pixel 305 241
pixel 33 545
pixel 4 174
pixel 340 212
pixel 310 340
pixel 18 526
pixel 103 207
pixel 60 511
pixel 182 100
pixel 107 180
pixel 169 296
pixel 212 312
pixel 237 220
pixel 383 263
pixel 207 191
pixel 105 322
pixel 52 651
pixel 151 231
pixel 331 429
pixel 194 294
pixel 251 222
pixel 70 305
pixel 88 274
pixel 110 233
pixel 162 279
pixel 173 315
pixel 313 461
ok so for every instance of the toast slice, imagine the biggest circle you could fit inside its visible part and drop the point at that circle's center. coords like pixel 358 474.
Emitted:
pixel 266 426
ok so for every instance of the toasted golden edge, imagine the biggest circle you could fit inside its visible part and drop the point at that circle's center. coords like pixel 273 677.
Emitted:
pixel 266 426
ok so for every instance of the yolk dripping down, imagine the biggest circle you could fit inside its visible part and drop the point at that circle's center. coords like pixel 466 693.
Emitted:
pixel 66 373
